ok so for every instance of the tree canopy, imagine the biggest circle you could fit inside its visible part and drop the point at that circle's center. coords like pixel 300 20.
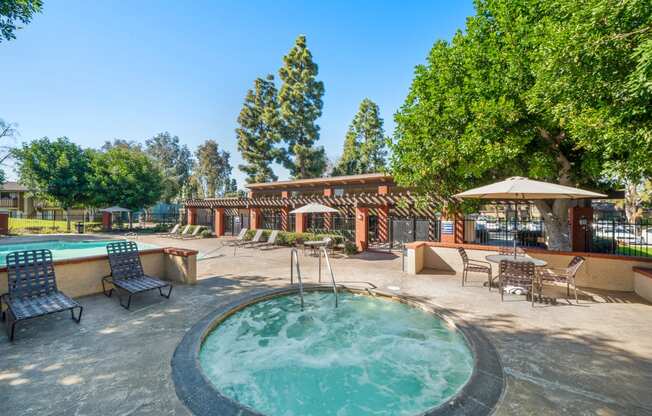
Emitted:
pixel 300 99
pixel 175 161
pixel 259 131
pixel 549 90
pixel 14 11
pixel 213 169
pixel 364 145
pixel 124 176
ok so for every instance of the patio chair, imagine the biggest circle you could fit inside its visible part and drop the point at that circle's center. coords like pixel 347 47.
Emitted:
pixel 471 265
pixel 566 275
pixel 127 275
pixel 195 233
pixel 509 251
pixel 520 274
pixel 271 240
pixel 173 231
pixel 32 289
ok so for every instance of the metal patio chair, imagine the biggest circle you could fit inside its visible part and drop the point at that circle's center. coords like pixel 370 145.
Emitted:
pixel 471 265
pixel 127 275
pixel 32 289
pixel 520 274
pixel 565 275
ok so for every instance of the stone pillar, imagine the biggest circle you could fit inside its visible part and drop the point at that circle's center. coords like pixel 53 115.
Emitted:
pixel 254 218
pixel 383 189
pixel 383 223
pixel 218 221
pixel 580 220
pixel 285 218
pixel 361 228
pixel 4 222
pixel 328 217
pixel 452 230
pixel 192 215
pixel 106 221
pixel 300 223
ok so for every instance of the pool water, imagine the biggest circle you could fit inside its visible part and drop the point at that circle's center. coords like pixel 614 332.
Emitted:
pixel 369 356
pixel 63 249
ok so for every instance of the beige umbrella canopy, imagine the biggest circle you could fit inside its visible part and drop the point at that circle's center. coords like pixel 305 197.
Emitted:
pixel 313 208
pixel 518 188
pixel 115 209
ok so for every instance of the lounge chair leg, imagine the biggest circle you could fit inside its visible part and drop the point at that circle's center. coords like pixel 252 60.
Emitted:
pixel 160 292
pixel 79 314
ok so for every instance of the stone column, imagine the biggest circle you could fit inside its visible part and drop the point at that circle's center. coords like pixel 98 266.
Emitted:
pixel 328 217
pixel 106 221
pixel 362 228
pixel 383 223
pixel 580 220
pixel 192 215
pixel 285 218
pixel 218 221
pixel 254 218
pixel 300 223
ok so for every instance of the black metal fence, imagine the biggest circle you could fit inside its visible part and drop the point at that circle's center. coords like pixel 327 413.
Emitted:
pixel 617 236
pixel 502 232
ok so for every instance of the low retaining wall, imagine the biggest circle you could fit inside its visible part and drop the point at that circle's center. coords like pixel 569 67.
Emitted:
pixel 601 271
pixel 643 282
pixel 83 276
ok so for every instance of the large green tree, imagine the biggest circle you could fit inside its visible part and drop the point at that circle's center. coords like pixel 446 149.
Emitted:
pixel 14 11
pixel 543 89
pixel 259 131
pixel 174 159
pixel 56 170
pixel 125 177
pixel 365 143
pixel 300 99
pixel 213 169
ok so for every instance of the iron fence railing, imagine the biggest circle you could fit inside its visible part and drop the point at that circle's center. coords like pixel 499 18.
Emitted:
pixel 617 236
pixel 502 232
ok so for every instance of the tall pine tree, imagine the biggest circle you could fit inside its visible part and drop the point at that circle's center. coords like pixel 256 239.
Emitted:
pixel 364 145
pixel 301 105
pixel 259 131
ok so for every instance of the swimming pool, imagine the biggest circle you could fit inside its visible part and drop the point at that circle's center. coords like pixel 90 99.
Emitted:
pixel 62 249
pixel 369 356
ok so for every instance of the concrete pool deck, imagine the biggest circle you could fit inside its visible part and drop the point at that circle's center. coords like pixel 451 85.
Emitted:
pixel 595 358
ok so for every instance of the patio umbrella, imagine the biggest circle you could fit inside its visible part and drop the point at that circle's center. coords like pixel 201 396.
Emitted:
pixel 313 208
pixel 523 189
pixel 115 209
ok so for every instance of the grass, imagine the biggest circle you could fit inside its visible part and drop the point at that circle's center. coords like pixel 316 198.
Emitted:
pixel 35 226
pixel 634 251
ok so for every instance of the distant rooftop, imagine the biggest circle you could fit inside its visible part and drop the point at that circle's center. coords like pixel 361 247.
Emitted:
pixel 336 180
pixel 12 187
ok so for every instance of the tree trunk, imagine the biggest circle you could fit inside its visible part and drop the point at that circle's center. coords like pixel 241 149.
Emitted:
pixel 632 201
pixel 68 218
pixel 555 219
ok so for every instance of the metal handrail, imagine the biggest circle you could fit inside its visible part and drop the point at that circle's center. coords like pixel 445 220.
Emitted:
pixel 294 259
pixel 330 269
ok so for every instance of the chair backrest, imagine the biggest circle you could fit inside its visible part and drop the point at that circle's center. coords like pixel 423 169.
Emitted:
pixel 124 260
pixel 242 233
pixel 328 241
pixel 30 273
pixel 507 250
pixel 197 230
pixel 575 264
pixel 272 237
pixel 257 236
pixel 463 255
pixel 517 270
pixel 175 229
pixel 185 229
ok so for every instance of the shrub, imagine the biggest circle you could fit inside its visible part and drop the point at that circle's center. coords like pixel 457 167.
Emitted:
pixel 249 235
pixel 350 248
pixel 604 245
pixel 206 233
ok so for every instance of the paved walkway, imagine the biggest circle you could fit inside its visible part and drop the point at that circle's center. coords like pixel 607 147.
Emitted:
pixel 595 358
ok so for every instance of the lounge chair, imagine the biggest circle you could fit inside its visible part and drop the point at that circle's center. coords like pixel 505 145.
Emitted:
pixel 255 239
pixel 172 232
pixel 32 289
pixel 183 233
pixel 271 240
pixel 195 233
pixel 127 275
pixel 240 237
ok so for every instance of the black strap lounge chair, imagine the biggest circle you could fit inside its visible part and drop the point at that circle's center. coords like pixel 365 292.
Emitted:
pixel 127 275
pixel 32 289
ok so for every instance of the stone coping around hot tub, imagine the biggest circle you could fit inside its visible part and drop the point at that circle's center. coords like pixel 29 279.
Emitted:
pixel 479 396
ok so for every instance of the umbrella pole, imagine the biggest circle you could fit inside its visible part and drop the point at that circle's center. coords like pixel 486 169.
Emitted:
pixel 515 231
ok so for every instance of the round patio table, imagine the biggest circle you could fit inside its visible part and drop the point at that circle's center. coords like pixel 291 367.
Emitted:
pixel 497 258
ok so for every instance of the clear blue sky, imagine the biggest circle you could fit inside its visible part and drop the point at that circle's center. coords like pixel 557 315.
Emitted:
pixel 98 70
